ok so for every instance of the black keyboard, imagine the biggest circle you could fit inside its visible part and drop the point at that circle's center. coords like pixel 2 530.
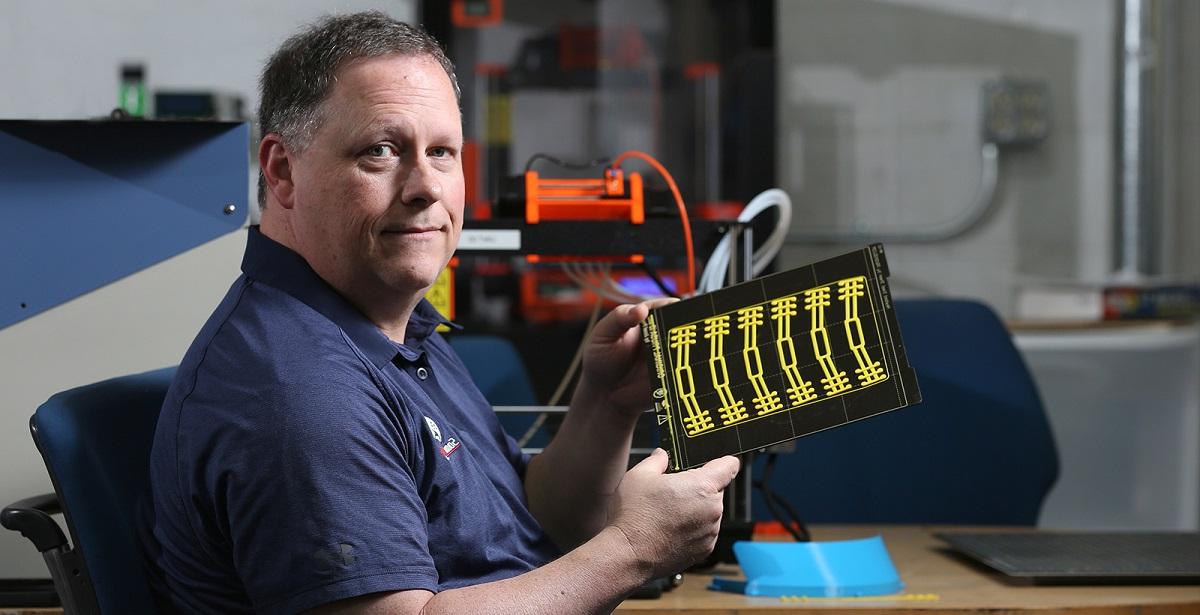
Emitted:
pixel 1077 557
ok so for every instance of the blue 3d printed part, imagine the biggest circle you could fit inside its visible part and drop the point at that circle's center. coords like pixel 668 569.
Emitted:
pixel 815 569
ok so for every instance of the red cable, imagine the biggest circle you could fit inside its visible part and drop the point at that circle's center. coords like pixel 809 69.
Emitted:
pixel 683 217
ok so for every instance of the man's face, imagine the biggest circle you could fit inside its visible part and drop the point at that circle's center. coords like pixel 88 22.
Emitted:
pixel 378 200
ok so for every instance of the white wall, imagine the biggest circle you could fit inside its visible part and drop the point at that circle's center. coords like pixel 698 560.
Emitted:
pixel 880 118
pixel 60 61
pixel 62 57
pixel 893 113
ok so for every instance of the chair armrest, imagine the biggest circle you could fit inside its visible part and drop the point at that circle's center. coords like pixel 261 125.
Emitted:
pixel 31 517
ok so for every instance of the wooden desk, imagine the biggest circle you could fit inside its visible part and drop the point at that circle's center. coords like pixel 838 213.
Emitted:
pixel 927 567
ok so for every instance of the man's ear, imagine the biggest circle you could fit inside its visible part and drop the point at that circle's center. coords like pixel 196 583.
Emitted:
pixel 275 160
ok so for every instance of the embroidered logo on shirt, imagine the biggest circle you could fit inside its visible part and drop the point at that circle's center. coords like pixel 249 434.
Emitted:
pixel 433 429
pixel 451 443
pixel 338 556
pixel 449 447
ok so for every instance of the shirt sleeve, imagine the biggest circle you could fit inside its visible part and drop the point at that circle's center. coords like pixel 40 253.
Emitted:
pixel 311 484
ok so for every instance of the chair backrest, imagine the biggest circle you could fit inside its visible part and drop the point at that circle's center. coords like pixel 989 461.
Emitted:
pixel 497 369
pixel 977 450
pixel 95 441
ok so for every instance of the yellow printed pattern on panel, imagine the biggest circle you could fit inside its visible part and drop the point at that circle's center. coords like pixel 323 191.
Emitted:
pixel 854 298
pixel 681 340
pixel 815 302
pixel 868 372
pixel 800 391
pixel 765 400
pixel 716 329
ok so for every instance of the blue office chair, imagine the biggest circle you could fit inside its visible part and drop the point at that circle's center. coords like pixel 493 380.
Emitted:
pixel 977 450
pixel 499 372
pixel 496 367
pixel 95 441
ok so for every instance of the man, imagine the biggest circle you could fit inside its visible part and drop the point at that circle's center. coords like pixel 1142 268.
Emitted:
pixel 322 448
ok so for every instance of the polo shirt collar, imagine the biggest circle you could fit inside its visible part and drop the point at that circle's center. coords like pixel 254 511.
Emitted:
pixel 277 265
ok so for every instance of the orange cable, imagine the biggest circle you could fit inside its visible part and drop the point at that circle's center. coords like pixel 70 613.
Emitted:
pixel 683 217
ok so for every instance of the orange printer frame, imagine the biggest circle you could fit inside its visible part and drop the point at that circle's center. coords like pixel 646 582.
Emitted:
pixel 584 198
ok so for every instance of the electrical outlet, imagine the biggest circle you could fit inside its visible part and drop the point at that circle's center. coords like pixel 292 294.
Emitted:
pixel 1016 111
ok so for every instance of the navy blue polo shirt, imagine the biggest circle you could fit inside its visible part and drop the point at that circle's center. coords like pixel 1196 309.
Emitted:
pixel 302 457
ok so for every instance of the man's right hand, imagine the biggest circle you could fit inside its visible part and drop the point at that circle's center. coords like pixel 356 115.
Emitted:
pixel 671 520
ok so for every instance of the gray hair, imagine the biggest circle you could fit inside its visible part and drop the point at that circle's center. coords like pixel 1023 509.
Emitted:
pixel 298 77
